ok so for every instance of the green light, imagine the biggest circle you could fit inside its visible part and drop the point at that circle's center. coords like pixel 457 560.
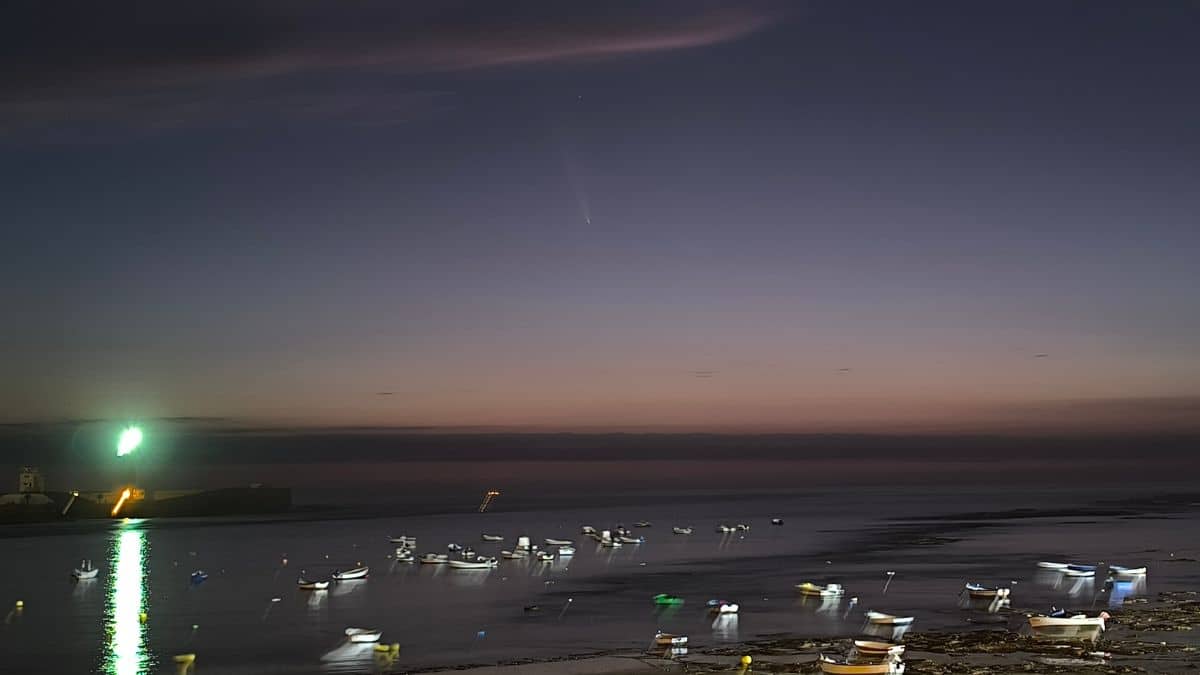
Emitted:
pixel 131 438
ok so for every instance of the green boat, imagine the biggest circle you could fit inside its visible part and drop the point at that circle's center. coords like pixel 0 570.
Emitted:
pixel 667 599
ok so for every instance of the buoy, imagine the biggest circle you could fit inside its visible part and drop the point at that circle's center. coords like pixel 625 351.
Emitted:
pixel 142 617
pixel 746 660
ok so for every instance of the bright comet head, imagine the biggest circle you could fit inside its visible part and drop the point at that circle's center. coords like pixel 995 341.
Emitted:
pixel 131 438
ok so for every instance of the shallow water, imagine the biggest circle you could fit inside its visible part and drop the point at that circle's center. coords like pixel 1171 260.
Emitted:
pixel 599 599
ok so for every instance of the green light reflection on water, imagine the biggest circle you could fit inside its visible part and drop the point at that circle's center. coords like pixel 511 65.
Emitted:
pixel 125 649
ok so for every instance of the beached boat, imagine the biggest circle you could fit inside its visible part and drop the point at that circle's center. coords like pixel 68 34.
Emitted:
pixel 85 570
pixel 306 585
pixel 1126 571
pixel 566 551
pixel 667 599
pixel 722 607
pixel 817 590
pixel 881 619
pixel 491 537
pixel 985 592
pixel 435 559
pixel 631 540
pixel 478 564
pixel 888 667
pixel 1047 565
pixel 363 634
pixel 877 648
pixel 777 521
pixel 545 556
pixel 643 523
pixel 514 555
pixel 1075 621
pixel 681 530
pixel 669 640
pixel 725 529
pixel 350 575
pixel 558 542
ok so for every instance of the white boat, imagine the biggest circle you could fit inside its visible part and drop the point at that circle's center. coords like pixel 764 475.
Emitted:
pixel 877 648
pixel 892 666
pixel 559 542
pixel 410 542
pixel 565 551
pixel 491 537
pixel 817 590
pixel 363 634
pixel 523 544
pixel 404 555
pixel 742 527
pixel 681 530
pixel 480 564
pixel 722 607
pixel 435 559
pixel 545 556
pixel 1079 572
pixel 881 619
pixel 350 575
pixel 777 521
pixel 1126 571
pixel 514 555
pixel 725 529
pixel 643 523
pixel 587 529
pixel 306 585
pixel 669 640
pixel 631 540
pixel 1046 565
pixel 977 591
pixel 1075 621
pixel 85 570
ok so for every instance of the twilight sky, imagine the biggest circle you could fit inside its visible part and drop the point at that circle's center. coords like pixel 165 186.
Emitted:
pixel 756 216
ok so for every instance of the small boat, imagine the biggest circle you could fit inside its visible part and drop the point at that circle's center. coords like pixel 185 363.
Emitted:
pixel 454 548
pixel 889 667
pixel 85 570
pixel 1075 621
pixel 611 543
pixel 681 530
pixel 306 585
pixel 410 542
pixel 435 559
pixel 742 527
pixel 643 523
pixel 777 521
pixel 587 529
pixel 1072 572
pixel 480 564
pixel 722 607
pixel 523 544
pixel 977 591
pixel 631 540
pixel 882 619
pixel 559 542
pixel 1052 565
pixel 514 555
pixel 816 590
pixel 363 634
pixel 533 608
pixel 491 537
pixel 545 556
pixel 725 529
pixel 566 551
pixel 404 555
pixel 1081 568
pixel 877 648
pixel 199 577
pixel 667 599
pixel 350 575
pixel 1119 571
pixel 669 640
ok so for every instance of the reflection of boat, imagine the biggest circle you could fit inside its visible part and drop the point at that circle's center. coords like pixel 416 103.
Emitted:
pixel 480 564
pixel 881 619
pixel 889 667
pixel 349 575
pixel 566 551
pixel 877 649
pixel 435 559
pixel 306 585
pixel 986 592
pixel 1076 621
pixel 1126 571
pixel 491 537
pixel 559 542
pixel 669 640
pixel 667 599
pixel 1052 565
pixel 817 590
pixel 85 570
pixel 681 530
pixel 363 634
pixel 722 607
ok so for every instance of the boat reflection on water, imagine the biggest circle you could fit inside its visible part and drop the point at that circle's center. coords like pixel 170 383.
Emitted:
pixel 1120 589
pixel 725 627
pixel 829 604
pixel 125 651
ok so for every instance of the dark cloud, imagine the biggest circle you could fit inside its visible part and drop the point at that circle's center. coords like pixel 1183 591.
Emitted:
pixel 174 64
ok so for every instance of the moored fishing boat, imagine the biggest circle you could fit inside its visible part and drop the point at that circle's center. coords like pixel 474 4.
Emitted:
pixel 631 540
pixel 1047 565
pixel 777 521
pixel 816 590
pixel 1079 571
pixel 306 585
pixel 514 555
pixel 742 527
pixel 1126 571
pixel 545 556
pixel 881 619
pixel 435 559
pixel 558 542
pixel 350 575
pixel 405 555
pixel 477 564
pixel 725 529
pixel 404 541
pixel 491 537
pixel 667 599
pixel 669 640
pixel 722 607
pixel 85 570
pixel 363 634
pixel 642 523
pixel 681 530
pixel 985 592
